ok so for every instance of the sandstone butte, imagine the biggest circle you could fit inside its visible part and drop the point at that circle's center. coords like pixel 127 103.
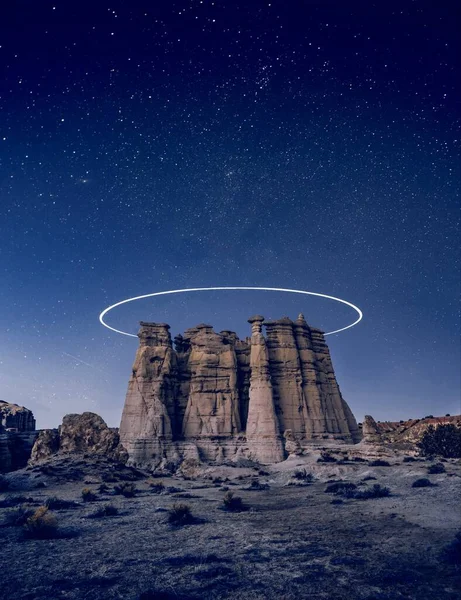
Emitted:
pixel 216 397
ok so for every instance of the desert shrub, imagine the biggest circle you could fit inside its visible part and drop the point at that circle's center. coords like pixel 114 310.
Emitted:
pixel 257 485
pixel 232 503
pixel 103 488
pixel 304 475
pixel 359 459
pixel 41 525
pixel 429 417
pixel 18 516
pixel 88 495
pixel 157 487
pixel 407 459
pixel 125 489
pixel 436 469
pixel 180 514
pixel 423 482
pixel 444 440
pixel 4 484
pixel 452 553
pixel 377 491
pixel 326 457
pixel 108 510
pixel 58 503
pixel 379 463
pixel 340 487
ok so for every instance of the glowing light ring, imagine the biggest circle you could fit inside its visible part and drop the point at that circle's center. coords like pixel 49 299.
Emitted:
pixel 210 289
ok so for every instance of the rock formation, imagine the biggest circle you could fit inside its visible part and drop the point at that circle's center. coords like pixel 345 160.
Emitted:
pixel 17 436
pixel 401 435
pixel 219 398
pixel 85 434
pixel 15 418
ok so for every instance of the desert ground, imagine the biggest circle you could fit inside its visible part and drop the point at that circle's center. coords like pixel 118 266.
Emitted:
pixel 292 539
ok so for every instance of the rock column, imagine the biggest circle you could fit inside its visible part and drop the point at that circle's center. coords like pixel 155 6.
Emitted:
pixel 262 432
pixel 146 428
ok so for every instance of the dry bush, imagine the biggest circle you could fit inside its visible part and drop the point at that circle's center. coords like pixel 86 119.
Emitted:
pixel 407 459
pixel 232 503
pixel 108 510
pixel 444 440
pixel 423 482
pixel 304 475
pixel 436 469
pixel 88 495
pixel 125 489
pixel 377 491
pixel 41 525
pixel 326 457
pixel 180 514
pixel 157 487
pixel 340 487
pixel 58 503
pixel 379 463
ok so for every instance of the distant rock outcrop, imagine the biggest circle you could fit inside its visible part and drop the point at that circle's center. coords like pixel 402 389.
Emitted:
pixel 232 398
pixel 403 435
pixel 17 436
pixel 85 434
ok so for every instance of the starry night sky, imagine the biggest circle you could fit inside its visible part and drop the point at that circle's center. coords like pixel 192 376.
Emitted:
pixel 149 146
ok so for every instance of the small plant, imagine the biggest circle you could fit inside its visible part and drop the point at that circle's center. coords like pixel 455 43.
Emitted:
pixel 180 514
pixel 429 417
pixel 103 488
pixel 88 495
pixel 304 475
pixel 17 517
pixel 108 510
pixel 257 485
pixel 125 489
pixel 379 463
pixel 444 440
pixel 340 487
pixel 157 487
pixel 359 459
pixel 423 482
pixel 232 503
pixel 452 553
pixel 41 525
pixel 436 469
pixel 326 457
pixel 407 459
pixel 377 491
pixel 57 503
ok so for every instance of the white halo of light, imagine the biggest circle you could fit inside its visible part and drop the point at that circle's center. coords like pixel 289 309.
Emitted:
pixel 210 289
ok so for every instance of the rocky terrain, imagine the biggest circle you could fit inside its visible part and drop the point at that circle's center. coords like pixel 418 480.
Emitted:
pixel 292 538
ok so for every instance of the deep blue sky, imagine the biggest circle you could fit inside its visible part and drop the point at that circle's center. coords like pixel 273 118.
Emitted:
pixel 148 146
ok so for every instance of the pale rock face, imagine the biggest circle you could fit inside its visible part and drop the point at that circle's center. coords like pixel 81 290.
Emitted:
pixel 148 416
pixel 228 397
pixel 213 405
pixel 262 430
pixel 15 417
pixel 46 444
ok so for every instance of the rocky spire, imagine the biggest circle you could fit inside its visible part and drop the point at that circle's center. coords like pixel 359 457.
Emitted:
pixel 262 431
pixel 146 428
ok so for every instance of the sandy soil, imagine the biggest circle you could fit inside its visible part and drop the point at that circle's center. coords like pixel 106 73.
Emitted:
pixel 291 542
